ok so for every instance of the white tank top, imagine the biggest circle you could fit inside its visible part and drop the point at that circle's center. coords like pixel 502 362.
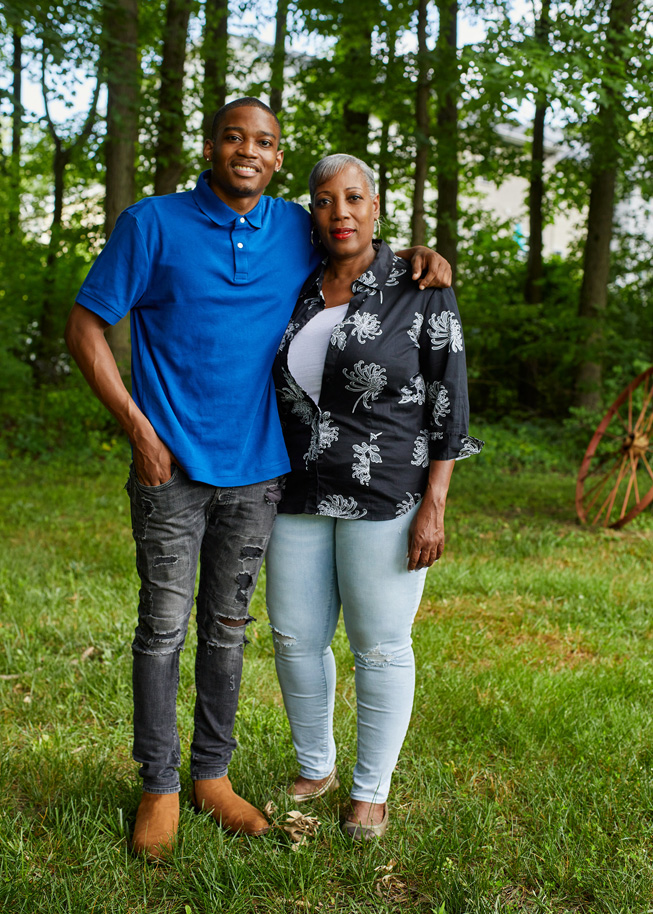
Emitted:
pixel 308 349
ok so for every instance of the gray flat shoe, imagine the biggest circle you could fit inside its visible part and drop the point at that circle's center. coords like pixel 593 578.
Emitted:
pixel 332 783
pixel 359 832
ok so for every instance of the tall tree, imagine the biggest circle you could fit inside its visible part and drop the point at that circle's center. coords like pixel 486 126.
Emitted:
pixel 215 49
pixel 447 81
pixel 385 153
pixel 353 57
pixel 279 56
pixel 16 129
pixel 606 136
pixel 422 124
pixel 171 119
pixel 534 267
pixel 48 345
pixel 122 69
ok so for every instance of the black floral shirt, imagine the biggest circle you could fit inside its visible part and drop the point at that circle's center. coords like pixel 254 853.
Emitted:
pixel 393 398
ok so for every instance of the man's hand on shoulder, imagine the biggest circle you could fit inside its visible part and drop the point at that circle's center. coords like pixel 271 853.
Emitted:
pixel 429 267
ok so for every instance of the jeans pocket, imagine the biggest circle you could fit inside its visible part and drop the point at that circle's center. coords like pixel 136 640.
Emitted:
pixel 153 489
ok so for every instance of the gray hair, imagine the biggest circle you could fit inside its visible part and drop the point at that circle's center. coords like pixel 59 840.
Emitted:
pixel 332 165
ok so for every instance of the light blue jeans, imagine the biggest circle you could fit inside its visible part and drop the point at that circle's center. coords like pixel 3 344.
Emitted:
pixel 314 564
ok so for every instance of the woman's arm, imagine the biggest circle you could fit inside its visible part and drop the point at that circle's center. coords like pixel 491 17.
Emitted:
pixel 426 534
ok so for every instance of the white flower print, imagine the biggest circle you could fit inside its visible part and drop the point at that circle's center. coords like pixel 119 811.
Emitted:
pixel 366 326
pixel 416 328
pixel 416 393
pixel 369 279
pixel 421 449
pixel 445 331
pixel 288 334
pixel 367 283
pixel 339 506
pixel 438 395
pixel 370 379
pixel 295 397
pixel 470 446
pixel 323 435
pixel 395 273
pixel 364 456
pixel 338 336
pixel 403 507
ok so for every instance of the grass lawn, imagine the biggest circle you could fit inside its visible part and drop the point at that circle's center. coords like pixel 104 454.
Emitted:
pixel 525 784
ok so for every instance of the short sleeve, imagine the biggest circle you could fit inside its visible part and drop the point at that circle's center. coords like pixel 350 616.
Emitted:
pixel 119 276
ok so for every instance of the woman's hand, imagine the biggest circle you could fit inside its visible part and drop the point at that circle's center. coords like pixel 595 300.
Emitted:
pixel 426 534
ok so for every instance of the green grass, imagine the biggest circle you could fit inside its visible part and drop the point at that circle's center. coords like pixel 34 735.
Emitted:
pixel 525 783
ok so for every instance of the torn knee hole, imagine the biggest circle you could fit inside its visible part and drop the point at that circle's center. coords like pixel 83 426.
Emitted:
pixel 233 623
pixel 376 657
pixel 281 639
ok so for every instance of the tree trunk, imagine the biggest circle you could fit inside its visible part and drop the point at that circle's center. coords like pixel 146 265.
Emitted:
pixel 534 268
pixel 418 222
pixel 354 62
pixel 448 79
pixel 16 133
pixel 279 57
pixel 604 150
pixel 528 366
pixel 170 141
pixel 48 346
pixel 214 53
pixel 123 82
pixel 384 141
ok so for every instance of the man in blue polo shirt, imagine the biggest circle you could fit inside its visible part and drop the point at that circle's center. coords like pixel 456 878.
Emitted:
pixel 210 277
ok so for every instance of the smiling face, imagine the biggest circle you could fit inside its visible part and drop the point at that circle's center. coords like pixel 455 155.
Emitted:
pixel 244 155
pixel 344 210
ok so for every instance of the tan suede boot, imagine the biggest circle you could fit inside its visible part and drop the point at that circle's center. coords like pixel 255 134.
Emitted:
pixel 227 808
pixel 157 821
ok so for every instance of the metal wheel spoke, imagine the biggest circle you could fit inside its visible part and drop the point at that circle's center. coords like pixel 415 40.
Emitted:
pixel 596 489
pixel 615 480
pixel 612 494
pixel 642 412
pixel 632 482
pixel 620 418
pixel 648 466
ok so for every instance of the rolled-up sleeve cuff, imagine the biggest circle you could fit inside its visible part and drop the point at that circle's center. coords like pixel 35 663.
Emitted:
pixel 453 446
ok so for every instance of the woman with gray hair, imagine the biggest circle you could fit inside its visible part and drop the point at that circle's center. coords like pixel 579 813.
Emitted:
pixel 372 392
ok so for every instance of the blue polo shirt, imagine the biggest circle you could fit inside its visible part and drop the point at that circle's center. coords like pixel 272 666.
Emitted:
pixel 210 293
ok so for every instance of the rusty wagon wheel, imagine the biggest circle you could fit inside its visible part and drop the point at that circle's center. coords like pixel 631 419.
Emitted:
pixel 615 480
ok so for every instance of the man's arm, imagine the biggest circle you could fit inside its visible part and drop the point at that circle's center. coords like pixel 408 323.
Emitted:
pixel 87 344
pixel 436 270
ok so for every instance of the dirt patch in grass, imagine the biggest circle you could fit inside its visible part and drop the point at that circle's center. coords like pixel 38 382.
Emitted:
pixel 516 626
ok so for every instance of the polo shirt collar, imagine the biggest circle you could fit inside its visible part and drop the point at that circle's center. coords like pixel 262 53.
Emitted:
pixel 217 210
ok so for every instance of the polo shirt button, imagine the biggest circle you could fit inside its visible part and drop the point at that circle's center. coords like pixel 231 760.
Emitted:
pixel 241 220
pixel 240 244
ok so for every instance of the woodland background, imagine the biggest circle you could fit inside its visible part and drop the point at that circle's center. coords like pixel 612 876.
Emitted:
pixel 127 89
pixel 526 782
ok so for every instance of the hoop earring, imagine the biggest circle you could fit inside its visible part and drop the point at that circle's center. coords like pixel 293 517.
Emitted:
pixel 377 228
pixel 316 243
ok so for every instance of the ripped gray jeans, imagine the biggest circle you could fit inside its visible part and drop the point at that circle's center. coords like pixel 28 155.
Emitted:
pixel 174 525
